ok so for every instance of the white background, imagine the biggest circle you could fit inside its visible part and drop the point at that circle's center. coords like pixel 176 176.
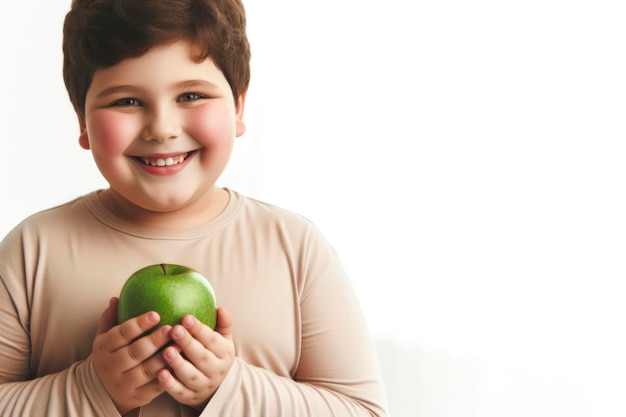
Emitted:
pixel 465 158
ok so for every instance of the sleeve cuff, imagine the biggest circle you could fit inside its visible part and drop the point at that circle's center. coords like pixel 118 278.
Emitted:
pixel 225 392
pixel 94 389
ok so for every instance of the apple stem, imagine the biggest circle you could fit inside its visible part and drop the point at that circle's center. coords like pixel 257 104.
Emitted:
pixel 164 269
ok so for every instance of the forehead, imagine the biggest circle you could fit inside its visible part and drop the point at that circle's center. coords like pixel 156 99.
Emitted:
pixel 166 63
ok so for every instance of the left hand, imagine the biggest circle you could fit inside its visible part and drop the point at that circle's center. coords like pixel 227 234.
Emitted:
pixel 199 361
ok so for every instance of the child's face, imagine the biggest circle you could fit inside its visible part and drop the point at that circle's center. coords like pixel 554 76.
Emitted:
pixel 161 129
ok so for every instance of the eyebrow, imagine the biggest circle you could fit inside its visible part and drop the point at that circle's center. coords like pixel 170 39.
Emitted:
pixel 195 84
pixel 118 89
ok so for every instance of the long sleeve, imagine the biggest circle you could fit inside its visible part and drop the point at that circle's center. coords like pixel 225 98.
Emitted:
pixel 302 346
pixel 75 391
pixel 337 374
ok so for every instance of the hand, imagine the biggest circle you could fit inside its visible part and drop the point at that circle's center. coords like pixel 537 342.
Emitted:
pixel 127 363
pixel 200 360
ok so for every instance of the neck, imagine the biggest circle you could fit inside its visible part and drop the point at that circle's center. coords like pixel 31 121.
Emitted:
pixel 188 216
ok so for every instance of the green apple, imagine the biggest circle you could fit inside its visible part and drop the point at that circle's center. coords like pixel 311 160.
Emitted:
pixel 173 291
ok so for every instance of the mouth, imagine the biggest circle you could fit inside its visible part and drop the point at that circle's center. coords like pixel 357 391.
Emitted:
pixel 164 161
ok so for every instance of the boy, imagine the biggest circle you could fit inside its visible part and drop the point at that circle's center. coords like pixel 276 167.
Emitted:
pixel 159 90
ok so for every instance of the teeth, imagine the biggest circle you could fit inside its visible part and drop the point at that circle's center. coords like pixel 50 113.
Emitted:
pixel 160 162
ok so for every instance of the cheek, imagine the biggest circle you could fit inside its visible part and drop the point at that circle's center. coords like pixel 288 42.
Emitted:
pixel 110 132
pixel 211 125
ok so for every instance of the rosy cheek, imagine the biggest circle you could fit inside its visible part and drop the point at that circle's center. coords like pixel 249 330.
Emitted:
pixel 111 131
pixel 210 124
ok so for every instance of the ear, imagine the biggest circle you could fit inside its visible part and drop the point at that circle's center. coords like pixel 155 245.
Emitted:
pixel 240 128
pixel 83 138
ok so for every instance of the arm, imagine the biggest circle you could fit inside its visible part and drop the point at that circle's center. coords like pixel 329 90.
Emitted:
pixel 337 375
pixel 73 391
pixel 117 378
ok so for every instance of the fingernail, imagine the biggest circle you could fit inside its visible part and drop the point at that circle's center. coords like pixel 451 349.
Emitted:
pixel 153 317
pixel 189 321
pixel 177 333
pixel 165 331
pixel 170 354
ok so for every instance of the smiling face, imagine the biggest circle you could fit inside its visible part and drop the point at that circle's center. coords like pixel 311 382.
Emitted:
pixel 161 129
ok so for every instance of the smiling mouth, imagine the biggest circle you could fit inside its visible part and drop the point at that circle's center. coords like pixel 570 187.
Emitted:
pixel 164 162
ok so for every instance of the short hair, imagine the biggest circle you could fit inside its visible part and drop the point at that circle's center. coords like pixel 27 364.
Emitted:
pixel 99 34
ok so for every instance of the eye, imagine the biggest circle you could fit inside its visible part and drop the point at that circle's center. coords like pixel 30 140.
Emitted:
pixel 189 97
pixel 126 102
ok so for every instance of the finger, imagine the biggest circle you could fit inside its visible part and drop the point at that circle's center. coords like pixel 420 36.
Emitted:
pixel 173 386
pixel 147 370
pixel 181 393
pixel 140 360
pixel 140 350
pixel 190 334
pixel 127 332
pixel 148 391
pixel 195 328
pixel 195 347
pixel 185 372
pixel 211 340
pixel 108 320
pixel 204 338
pixel 225 322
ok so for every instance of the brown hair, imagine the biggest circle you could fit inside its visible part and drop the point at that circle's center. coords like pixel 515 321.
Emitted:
pixel 99 34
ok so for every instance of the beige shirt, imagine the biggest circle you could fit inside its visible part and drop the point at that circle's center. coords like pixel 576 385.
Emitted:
pixel 302 345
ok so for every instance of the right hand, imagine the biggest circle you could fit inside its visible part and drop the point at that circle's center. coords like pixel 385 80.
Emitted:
pixel 126 363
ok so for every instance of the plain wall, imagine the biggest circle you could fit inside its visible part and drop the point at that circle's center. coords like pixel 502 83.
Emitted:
pixel 465 158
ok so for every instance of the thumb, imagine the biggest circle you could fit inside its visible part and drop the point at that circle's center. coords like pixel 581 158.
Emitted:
pixel 224 323
pixel 108 320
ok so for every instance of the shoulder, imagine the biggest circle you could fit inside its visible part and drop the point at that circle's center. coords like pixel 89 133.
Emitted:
pixel 285 237
pixel 52 221
pixel 37 237
pixel 282 228
pixel 261 214
pixel 267 210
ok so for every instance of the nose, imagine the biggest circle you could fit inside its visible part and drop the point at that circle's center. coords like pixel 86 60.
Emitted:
pixel 161 125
